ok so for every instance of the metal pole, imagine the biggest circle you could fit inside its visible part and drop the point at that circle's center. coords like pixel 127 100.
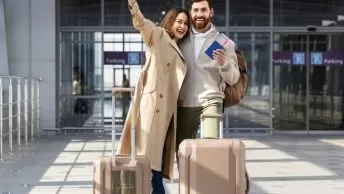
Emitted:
pixel 37 108
pixel 32 108
pixel 30 43
pixel 102 65
pixel 1 118
pixel 113 130
pixel 10 126
pixel 227 20
pixel 30 37
pixel 253 64
pixel 307 84
pixel 58 62
pixel 26 111
pixel 19 113
pixel 271 69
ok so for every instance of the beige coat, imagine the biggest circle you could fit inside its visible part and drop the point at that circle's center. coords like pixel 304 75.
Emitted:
pixel 156 96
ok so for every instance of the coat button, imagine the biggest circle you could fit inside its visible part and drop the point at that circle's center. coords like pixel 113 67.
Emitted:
pixel 157 111
pixel 168 64
pixel 161 96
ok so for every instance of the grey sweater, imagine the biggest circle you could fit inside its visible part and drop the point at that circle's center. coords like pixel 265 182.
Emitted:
pixel 205 79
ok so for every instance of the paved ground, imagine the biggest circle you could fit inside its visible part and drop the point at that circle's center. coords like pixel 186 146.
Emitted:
pixel 277 165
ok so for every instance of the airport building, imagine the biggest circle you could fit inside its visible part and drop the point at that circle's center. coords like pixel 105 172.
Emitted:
pixel 60 59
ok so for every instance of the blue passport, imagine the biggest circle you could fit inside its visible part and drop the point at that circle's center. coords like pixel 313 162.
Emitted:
pixel 215 45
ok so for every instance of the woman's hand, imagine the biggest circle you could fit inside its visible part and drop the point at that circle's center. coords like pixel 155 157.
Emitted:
pixel 131 3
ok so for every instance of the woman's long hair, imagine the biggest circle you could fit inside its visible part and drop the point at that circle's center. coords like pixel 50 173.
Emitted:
pixel 171 17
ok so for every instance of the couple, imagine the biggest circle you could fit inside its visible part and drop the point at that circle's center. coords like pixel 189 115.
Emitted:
pixel 177 84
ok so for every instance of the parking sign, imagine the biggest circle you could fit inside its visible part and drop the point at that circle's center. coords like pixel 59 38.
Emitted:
pixel 298 58
pixel 134 58
pixel 316 58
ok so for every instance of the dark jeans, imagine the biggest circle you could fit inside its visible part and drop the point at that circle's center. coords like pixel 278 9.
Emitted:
pixel 157 179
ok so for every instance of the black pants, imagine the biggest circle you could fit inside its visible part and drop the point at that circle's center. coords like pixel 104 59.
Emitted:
pixel 157 179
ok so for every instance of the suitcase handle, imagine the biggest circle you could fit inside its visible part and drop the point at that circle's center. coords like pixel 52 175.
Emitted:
pixel 218 116
pixel 132 133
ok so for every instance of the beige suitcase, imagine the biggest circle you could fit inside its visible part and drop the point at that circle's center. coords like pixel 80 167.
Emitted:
pixel 208 166
pixel 122 174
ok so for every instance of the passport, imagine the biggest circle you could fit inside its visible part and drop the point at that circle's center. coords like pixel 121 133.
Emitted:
pixel 220 42
pixel 215 45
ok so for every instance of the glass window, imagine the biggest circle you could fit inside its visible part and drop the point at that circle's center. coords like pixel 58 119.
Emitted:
pixel 132 46
pixel 133 37
pixel 66 36
pixel 79 58
pixel 308 12
pixel 219 12
pixel 113 37
pixel 255 47
pixel 113 46
pixel 78 36
pixel 249 13
pixel 117 13
pixel 98 36
pixel 80 13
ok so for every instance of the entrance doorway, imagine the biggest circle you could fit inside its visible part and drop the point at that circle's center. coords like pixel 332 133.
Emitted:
pixel 308 82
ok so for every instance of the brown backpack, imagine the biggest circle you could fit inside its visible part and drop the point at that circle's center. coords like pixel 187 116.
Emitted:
pixel 234 93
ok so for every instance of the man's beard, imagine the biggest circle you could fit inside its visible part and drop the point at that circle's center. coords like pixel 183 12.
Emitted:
pixel 202 25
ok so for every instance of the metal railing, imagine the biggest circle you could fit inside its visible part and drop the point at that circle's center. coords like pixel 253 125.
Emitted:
pixel 19 112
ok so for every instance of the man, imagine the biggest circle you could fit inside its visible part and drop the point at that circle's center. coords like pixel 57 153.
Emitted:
pixel 203 87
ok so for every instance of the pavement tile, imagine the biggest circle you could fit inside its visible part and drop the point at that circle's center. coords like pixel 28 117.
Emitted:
pixel 277 165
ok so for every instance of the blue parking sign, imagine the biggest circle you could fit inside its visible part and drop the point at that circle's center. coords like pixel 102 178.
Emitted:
pixel 316 58
pixel 298 58
pixel 134 58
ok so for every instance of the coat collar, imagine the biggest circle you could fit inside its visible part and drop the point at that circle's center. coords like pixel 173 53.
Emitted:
pixel 175 46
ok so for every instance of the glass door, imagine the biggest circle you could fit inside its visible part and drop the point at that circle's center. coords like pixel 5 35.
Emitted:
pixel 252 115
pixel 79 100
pixel 307 89
pixel 326 55
pixel 289 82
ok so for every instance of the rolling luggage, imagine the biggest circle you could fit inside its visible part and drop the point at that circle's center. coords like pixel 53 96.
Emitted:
pixel 208 166
pixel 122 174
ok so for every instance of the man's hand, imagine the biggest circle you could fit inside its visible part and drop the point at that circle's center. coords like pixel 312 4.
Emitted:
pixel 220 56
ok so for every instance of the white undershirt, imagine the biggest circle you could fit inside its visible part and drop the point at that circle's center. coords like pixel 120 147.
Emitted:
pixel 199 39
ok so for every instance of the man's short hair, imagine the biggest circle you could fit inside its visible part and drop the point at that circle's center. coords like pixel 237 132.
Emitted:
pixel 191 2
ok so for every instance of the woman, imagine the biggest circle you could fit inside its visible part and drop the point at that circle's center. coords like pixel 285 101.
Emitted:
pixel 157 92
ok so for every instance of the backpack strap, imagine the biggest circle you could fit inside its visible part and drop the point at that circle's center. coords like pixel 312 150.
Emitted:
pixel 241 54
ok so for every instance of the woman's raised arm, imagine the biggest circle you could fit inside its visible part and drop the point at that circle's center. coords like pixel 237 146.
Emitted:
pixel 149 31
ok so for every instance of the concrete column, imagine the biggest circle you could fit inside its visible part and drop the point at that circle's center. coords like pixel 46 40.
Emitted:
pixel 3 42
